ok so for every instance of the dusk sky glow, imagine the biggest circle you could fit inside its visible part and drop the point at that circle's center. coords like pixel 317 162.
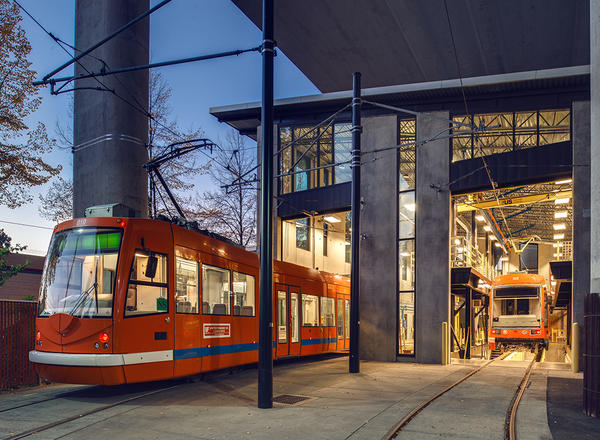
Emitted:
pixel 182 28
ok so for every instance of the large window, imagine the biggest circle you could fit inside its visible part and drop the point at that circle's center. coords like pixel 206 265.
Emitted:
pixel 306 152
pixel 303 233
pixel 327 312
pixel 407 210
pixel 80 272
pixel 509 131
pixel 243 294
pixel 310 310
pixel 186 288
pixel 147 290
pixel 215 290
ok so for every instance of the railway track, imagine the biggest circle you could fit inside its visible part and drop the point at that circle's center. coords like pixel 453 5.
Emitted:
pixel 510 424
pixel 78 414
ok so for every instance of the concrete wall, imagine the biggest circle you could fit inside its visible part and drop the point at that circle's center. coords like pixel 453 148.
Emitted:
pixel 432 239
pixel 378 259
pixel 581 207
pixel 110 135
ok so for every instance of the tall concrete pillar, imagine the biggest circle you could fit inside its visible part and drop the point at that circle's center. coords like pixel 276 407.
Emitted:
pixel 432 239
pixel 110 135
pixel 378 250
pixel 581 208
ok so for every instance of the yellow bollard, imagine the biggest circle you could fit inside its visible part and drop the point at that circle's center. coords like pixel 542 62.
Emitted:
pixel 445 350
pixel 575 347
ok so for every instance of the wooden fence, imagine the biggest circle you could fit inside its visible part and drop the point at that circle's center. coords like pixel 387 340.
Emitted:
pixel 17 338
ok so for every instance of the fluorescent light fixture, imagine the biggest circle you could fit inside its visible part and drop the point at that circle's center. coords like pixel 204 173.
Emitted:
pixel 559 236
pixel 410 206
pixel 498 245
pixel 479 218
pixel 559 226
pixel 456 241
pixel 459 249
pixel 404 254
pixel 487 228
pixel 553 283
pixel 331 219
pixel 348 243
pixel 555 255
pixel 561 214
pixel 554 244
pixel 503 258
pixel 492 237
pixel 561 201
pixel 560 182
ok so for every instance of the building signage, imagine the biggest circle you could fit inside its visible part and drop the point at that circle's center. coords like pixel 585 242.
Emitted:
pixel 211 331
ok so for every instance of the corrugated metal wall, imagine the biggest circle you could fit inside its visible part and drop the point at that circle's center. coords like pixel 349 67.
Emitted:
pixel 17 336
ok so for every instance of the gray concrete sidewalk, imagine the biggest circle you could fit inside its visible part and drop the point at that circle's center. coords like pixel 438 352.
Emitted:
pixel 337 406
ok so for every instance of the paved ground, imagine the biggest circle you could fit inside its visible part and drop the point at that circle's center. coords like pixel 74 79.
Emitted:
pixel 338 405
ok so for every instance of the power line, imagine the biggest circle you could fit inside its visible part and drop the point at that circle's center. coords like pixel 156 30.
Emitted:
pixel 26 224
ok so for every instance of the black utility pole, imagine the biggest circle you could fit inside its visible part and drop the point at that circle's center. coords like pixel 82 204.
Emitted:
pixel 265 338
pixel 354 366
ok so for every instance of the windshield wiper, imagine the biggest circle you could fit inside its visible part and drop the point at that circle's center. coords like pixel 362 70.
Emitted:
pixel 84 296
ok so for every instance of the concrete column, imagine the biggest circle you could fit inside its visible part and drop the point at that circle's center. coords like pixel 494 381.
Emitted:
pixel 595 146
pixel 110 136
pixel 581 207
pixel 432 239
pixel 378 250
pixel 276 227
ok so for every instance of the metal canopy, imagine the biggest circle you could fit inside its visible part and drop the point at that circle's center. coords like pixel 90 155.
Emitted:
pixel 405 41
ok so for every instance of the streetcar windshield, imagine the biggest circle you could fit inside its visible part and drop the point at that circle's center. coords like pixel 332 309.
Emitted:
pixel 79 273
pixel 516 306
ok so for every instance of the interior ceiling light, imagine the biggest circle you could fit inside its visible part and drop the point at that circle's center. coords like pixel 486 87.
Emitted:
pixel 503 258
pixel 331 219
pixel 559 236
pixel 561 214
pixel 497 245
pixel 559 226
pixel 456 241
pixel 479 218
pixel 561 201
pixel 410 206
pixel 491 237
pixel 560 182
pixel 487 228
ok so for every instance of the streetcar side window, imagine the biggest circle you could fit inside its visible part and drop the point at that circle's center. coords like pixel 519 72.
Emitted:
pixel 243 294
pixel 186 289
pixel 146 296
pixel 215 290
pixel 327 312
pixel 310 310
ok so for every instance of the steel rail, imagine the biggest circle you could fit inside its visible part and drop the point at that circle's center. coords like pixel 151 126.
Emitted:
pixel 395 430
pixel 78 416
pixel 510 426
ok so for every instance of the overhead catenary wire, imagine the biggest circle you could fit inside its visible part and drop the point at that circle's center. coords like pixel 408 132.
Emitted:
pixel 26 224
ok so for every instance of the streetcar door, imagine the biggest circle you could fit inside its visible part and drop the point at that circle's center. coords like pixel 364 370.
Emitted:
pixel 346 324
pixel 282 337
pixel 147 323
pixel 340 324
pixel 288 320
pixel 294 321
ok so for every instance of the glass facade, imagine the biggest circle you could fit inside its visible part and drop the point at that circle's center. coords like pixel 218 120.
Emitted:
pixel 509 131
pixel 303 149
pixel 406 236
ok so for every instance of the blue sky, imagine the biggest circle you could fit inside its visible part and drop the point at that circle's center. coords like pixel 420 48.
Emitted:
pixel 182 28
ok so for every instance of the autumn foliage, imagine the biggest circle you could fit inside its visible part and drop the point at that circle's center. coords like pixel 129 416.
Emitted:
pixel 21 147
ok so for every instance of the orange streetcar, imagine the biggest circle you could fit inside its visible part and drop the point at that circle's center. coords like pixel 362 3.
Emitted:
pixel 127 300
pixel 519 311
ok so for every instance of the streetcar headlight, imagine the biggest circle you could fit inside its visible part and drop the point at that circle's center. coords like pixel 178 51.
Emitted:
pixel 103 337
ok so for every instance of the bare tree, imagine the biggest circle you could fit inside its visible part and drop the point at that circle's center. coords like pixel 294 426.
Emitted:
pixel 231 209
pixel 57 202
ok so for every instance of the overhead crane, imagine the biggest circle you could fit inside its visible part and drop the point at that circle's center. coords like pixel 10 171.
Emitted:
pixel 513 201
